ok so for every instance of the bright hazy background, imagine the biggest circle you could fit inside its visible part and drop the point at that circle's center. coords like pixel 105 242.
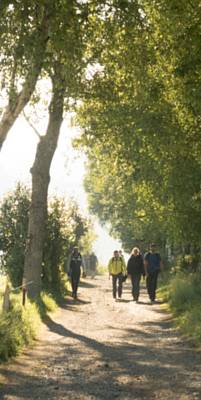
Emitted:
pixel 67 173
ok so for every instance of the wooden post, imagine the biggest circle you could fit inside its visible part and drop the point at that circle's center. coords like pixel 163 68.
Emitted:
pixel 6 299
pixel 24 292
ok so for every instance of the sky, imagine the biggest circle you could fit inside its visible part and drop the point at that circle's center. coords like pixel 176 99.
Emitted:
pixel 67 173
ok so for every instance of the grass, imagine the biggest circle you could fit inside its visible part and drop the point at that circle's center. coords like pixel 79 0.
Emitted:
pixel 20 325
pixel 45 304
pixel 183 294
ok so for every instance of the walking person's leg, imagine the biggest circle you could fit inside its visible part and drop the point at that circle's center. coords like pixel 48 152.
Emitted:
pixel 136 287
pixel 73 283
pixel 150 286
pixel 133 284
pixel 76 282
pixel 120 285
pixel 114 286
pixel 155 279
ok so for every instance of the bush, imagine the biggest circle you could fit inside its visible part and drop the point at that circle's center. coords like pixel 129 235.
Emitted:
pixel 185 290
pixel 190 323
pixel 65 226
pixel 183 293
pixel 186 263
pixel 18 327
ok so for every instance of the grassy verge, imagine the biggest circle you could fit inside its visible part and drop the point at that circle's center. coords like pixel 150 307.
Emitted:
pixel 19 326
pixel 183 294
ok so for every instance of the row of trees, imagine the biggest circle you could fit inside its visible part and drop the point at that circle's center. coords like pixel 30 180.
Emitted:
pixel 41 40
pixel 141 123
pixel 65 227
pixel 134 66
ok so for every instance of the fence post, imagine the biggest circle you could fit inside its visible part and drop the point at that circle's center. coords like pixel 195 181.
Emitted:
pixel 6 299
pixel 24 292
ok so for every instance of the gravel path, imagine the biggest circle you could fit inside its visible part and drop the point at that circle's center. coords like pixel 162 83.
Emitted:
pixel 95 349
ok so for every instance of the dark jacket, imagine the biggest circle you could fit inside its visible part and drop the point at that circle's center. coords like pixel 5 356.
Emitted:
pixel 75 262
pixel 135 265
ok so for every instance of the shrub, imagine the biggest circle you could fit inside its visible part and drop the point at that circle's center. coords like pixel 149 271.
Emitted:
pixel 18 327
pixel 65 226
pixel 183 292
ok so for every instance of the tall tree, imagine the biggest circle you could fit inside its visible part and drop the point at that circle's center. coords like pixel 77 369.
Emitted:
pixel 40 182
pixel 65 65
pixel 137 115
pixel 25 28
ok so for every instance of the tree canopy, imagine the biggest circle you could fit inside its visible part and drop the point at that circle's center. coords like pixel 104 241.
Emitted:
pixel 141 123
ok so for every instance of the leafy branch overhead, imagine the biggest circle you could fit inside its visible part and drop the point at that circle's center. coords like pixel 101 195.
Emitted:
pixel 141 123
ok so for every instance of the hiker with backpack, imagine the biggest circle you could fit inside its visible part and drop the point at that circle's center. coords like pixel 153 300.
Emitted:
pixel 117 269
pixel 74 264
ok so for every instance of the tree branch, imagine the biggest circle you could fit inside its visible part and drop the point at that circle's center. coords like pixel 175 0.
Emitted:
pixel 31 125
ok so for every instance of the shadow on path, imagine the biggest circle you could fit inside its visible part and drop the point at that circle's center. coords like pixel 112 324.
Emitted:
pixel 140 362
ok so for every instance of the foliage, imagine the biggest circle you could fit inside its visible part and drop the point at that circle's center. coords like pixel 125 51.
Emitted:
pixel 65 227
pixel 45 304
pixel 18 327
pixel 86 240
pixel 13 230
pixel 183 293
pixel 186 263
pixel 140 118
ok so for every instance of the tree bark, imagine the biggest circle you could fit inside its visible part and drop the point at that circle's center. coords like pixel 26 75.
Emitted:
pixel 17 104
pixel 40 182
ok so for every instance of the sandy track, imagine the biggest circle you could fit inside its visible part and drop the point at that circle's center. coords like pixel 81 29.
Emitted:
pixel 98 349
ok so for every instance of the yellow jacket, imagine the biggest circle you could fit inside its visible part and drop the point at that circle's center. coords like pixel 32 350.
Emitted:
pixel 116 266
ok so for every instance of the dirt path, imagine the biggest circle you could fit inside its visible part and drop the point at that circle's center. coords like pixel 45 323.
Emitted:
pixel 100 349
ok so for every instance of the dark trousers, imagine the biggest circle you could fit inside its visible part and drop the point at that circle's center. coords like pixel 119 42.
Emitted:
pixel 75 278
pixel 151 282
pixel 135 280
pixel 117 279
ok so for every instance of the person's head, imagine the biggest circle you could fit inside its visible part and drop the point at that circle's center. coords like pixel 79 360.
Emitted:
pixel 116 254
pixel 135 251
pixel 120 252
pixel 75 250
pixel 152 247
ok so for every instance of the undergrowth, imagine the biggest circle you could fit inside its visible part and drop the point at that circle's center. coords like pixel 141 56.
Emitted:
pixel 20 325
pixel 183 294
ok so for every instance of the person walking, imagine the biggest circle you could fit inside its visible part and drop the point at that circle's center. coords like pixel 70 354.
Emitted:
pixel 152 266
pixel 135 268
pixel 75 262
pixel 121 254
pixel 117 269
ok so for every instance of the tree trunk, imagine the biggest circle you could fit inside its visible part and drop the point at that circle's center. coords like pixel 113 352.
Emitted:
pixel 17 104
pixel 40 181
